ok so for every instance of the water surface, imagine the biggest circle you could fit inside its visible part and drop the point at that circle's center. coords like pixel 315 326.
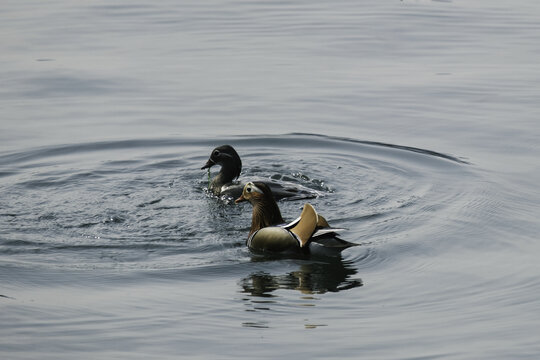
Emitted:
pixel 416 121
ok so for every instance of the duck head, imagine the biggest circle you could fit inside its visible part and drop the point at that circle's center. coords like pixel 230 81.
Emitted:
pixel 255 193
pixel 228 159
pixel 265 209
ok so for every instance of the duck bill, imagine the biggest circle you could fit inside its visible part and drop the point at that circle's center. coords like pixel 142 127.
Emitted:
pixel 208 164
pixel 240 199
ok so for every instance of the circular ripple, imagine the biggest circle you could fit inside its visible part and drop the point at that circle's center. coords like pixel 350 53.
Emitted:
pixel 142 205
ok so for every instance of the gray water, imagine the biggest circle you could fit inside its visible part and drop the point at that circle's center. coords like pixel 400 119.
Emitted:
pixel 416 121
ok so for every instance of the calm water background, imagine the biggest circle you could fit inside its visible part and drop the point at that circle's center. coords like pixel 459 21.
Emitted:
pixel 417 121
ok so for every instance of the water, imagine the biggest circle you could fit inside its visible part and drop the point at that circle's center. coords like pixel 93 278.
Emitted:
pixel 417 121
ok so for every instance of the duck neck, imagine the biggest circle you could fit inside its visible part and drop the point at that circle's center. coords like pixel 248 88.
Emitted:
pixel 265 213
pixel 225 176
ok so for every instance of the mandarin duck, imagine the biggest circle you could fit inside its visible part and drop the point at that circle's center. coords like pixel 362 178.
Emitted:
pixel 223 183
pixel 308 234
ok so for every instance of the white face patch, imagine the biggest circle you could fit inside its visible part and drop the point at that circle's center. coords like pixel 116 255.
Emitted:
pixel 251 187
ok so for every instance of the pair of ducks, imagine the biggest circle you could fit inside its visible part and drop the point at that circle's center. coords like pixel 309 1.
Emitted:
pixel 310 233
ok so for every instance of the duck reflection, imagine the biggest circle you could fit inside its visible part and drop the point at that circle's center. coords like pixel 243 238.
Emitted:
pixel 314 277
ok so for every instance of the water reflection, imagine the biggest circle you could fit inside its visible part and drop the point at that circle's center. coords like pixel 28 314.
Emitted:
pixel 315 277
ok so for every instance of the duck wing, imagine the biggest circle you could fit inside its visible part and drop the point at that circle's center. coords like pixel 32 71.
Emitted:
pixel 291 191
pixel 306 226
pixel 232 190
pixel 325 232
pixel 322 228
pixel 290 225
pixel 279 191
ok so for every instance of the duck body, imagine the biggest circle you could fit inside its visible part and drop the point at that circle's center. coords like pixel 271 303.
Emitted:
pixel 225 182
pixel 280 191
pixel 231 166
pixel 281 240
pixel 308 234
pixel 274 239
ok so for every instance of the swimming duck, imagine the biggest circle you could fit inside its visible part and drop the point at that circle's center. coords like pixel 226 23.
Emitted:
pixel 308 234
pixel 231 166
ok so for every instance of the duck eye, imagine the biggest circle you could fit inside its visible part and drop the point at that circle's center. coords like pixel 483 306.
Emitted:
pixel 216 152
pixel 248 189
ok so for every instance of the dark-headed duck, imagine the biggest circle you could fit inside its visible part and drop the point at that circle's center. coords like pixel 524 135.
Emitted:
pixel 231 166
pixel 310 233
